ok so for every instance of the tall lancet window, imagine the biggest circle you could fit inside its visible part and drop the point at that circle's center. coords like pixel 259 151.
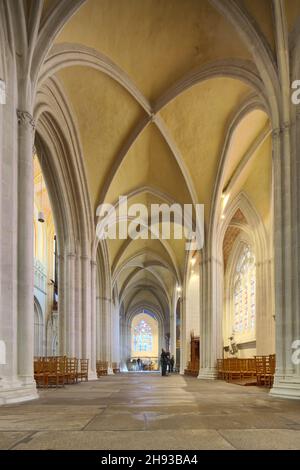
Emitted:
pixel 244 292
pixel 142 337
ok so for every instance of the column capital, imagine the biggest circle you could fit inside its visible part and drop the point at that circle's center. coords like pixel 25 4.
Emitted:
pixel 284 129
pixel 103 298
pixel 276 133
pixel 84 257
pixel 209 260
pixel 25 119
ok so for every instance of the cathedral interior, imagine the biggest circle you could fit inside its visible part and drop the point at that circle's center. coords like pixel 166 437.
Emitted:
pixel 157 335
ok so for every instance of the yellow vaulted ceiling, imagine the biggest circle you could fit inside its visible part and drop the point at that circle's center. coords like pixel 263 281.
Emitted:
pixel 259 182
pixel 261 11
pixel 150 162
pixel 292 12
pixel 199 119
pixel 244 135
pixel 154 41
pixel 177 152
pixel 105 113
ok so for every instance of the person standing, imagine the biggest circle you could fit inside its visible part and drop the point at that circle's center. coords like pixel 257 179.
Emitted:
pixel 163 362
pixel 172 361
pixel 168 362
pixel 138 364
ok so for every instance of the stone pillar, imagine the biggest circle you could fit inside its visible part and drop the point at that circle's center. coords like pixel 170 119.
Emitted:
pixel 173 326
pixel 109 334
pixel 106 334
pixel 183 352
pixel 211 294
pixel 25 248
pixel 69 297
pixel 79 292
pixel 98 328
pixel 105 331
pixel 86 307
pixel 123 341
pixel 93 332
pixel 286 256
pixel 61 307
pixel 115 335
pixel 265 315
pixel 16 242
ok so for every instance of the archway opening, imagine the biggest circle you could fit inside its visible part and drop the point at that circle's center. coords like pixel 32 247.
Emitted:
pixel 144 342
pixel 45 269
pixel 178 334
pixel 239 327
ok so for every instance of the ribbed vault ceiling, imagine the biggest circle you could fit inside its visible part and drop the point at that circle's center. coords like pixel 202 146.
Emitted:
pixel 136 143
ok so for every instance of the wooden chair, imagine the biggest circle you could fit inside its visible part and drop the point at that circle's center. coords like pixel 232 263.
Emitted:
pixel 234 369
pixel 116 367
pixel 226 368
pixel 265 369
pixel 272 367
pixel 251 367
pixel 102 368
pixel 40 375
pixel 72 370
pixel 56 370
pixel 220 369
pixel 83 372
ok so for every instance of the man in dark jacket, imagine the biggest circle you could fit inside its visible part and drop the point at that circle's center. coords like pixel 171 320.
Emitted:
pixel 172 360
pixel 163 362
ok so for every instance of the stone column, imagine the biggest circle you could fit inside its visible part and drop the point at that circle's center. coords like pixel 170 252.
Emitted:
pixel 123 340
pixel 86 307
pixel 16 242
pixel 98 328
pixel 93 356
pixel 107 336
pixel 25 247
pixel 69 297
pixel 61 307
pixel 265 315
pixel 183 352
pixel 173 327
pixel 286 256
pixel 79 290
pixel 211 295
pixel 102 329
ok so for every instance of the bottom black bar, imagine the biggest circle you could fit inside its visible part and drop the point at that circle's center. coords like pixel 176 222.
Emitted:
pixel 138 459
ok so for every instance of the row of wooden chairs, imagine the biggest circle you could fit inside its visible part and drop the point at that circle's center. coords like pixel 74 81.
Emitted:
pixel 265 370
pixel 192 369
pixel 60 370
pixel 260 368
pixel 102 368
pixel 234 368
pixel 116 367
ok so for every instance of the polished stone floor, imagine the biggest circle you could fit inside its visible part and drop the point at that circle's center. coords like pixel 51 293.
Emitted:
pixel 146 411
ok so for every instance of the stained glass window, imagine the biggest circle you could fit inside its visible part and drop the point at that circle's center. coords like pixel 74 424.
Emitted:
pixel 142 341
pixel 244 292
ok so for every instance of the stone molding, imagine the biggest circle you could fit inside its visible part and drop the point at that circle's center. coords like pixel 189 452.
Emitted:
pixel 25 119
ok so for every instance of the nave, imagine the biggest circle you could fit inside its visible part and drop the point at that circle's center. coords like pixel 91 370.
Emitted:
pixel 167 105
pixel 147 411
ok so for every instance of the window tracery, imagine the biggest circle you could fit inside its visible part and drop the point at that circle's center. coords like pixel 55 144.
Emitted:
pixel 143 338
pixel 244 292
